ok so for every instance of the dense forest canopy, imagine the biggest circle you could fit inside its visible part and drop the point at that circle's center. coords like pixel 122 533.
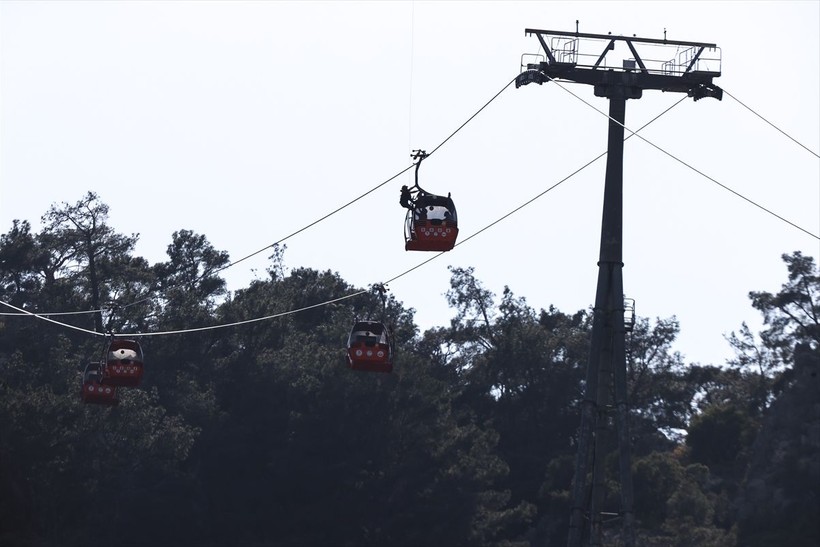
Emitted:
pixel 258 434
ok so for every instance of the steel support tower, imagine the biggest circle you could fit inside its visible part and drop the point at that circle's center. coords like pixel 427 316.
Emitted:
pixel 685 67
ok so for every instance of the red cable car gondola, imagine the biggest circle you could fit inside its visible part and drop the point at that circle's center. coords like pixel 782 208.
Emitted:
pixel 431 223
pixel 95 392
pixel 123 363
pixel 370 347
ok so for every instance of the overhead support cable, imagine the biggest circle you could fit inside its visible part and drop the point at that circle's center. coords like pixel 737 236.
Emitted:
pixel 351 202
pixel 13 314
pixel 394 278
pixel 249 321
pixel 798 143
pixel 314 223
pixel 531 200
pixel 701 173
pixel 354 200
pixel 49 320
pixel 503 89
pixel 195 329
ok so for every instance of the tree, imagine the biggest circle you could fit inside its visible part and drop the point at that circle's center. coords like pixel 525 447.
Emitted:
pixel 720 435
pixel 21 260
pixel 656 477
pixel 780 498
pixel 752 430
pixel 189 278
pixel 752 371
pixel 184 295
pixel 22 263
pixel 473 304
pixel 72 474
pixel 84 247
pixel 793 314
pixel 257 433
pixel 324 455
pixel 520 373
pixel 659 391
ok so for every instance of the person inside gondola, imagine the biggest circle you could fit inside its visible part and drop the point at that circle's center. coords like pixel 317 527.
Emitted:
pixel 406 200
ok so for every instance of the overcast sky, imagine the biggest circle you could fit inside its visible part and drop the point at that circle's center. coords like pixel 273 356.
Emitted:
pixel 245 121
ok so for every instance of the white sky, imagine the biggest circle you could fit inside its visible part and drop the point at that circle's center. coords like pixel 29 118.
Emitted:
pixel 245 121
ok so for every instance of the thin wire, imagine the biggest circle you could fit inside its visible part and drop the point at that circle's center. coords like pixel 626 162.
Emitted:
pixel 531 200
pixel 280 241
pixel 248 321
pixel 38 316
pixel 196 329
pixel 12 314
pixel 325 217
pixel 410 83
pixel 406 272
pixel 315 222
pixel 300 230
pixel 812 152
pixel 471 117
pixel 394 278
pixel 701 173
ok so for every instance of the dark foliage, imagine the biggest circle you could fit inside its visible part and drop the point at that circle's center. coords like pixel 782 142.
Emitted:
pixel 257 434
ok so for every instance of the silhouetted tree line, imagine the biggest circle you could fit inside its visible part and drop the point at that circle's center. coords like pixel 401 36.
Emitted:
pixel 259 435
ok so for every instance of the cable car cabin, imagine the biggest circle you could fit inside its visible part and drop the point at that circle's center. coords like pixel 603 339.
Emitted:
pixel 123 364
pixel 431 224
pixel 629 314
pixel 93 391
pixel 369 347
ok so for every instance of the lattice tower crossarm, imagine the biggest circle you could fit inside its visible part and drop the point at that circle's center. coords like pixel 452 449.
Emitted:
pixel 633 63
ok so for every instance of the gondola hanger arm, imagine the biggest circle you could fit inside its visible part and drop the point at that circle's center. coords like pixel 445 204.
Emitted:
pixel 419 156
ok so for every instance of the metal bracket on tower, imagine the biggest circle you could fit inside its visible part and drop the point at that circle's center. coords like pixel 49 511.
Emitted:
pixel 630 63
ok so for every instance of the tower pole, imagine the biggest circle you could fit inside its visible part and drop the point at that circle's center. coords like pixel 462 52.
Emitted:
pixel 690 69
pixel 607 357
